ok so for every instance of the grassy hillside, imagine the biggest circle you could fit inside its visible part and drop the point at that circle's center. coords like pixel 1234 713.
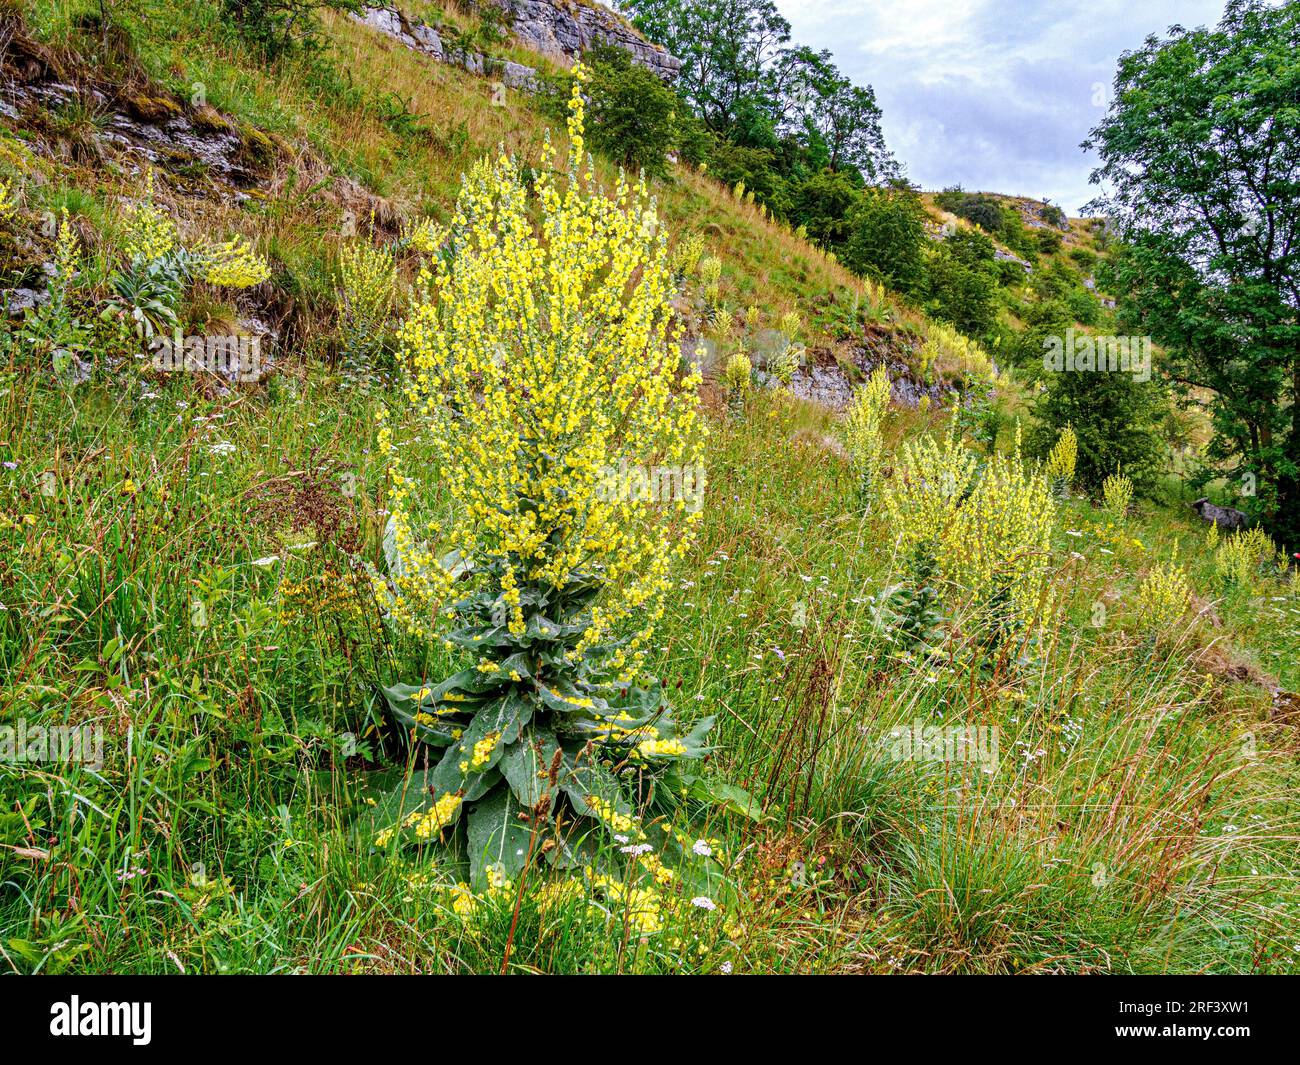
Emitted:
pixel 182 562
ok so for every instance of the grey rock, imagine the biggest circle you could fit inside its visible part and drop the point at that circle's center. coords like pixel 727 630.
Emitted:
pixel 546 26
pixel 1227 518
pixel 428 40
pixel 518 76
pixel 17 301
pixel 556 29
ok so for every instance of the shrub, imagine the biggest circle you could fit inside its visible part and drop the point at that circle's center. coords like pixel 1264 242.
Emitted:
pixel 1116 419
pixel 541 360
pixel 961 293
pixel 1048 241
pixel 632 112
pixel 822 204
pixel 886 238
pixel 1083 306
pixel 278 27
pixel 976 208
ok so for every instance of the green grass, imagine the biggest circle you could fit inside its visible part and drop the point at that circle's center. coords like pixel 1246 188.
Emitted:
pixel 213 618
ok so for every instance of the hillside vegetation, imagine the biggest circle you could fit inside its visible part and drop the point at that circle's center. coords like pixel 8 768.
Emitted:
pixel 967 714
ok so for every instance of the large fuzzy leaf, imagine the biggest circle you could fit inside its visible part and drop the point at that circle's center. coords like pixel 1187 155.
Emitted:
pixel 506 716
pixel 526 764
pixel 390 796
pixel 404 707
pixel 581 779
pixel 498 837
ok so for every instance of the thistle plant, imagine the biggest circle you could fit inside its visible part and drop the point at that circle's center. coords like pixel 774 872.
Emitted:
pixel 949 352
pixel 540 360
pixel 914 604
pixel 710 278
pixel 1117 494
pixel 723 322
pixel 426 236
pixel 1061 462
pixel 150 231
pixel 53 327
pixel 158 268
pixel 791 325
pixel 1163 596
pixel 784 363
pixel 8 201
pixel 364 297
pixel 932 479
pixel 686 256
pixel 752 314
pixel 863 430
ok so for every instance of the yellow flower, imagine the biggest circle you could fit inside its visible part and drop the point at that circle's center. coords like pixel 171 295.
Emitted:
pixel 863 429
pixel 541 356
pixel 661 748
pixel 1062 459
pixel 234 264
pixel 8 201
pixel 150 232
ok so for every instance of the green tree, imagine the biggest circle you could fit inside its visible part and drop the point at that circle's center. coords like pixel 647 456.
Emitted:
pixel 631 112
pixel 821 204
pixel 277 27
pixel 886 238
pixel 748 84
pixel 1116 418
pixel 1202 148
pixel 728 50
pixel 962 283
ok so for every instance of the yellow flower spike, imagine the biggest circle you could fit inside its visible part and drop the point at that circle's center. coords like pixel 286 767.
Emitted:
pixel 542 363
pixel 234 264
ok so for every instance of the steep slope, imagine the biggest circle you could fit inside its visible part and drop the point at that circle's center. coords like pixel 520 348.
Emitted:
pixel 182 564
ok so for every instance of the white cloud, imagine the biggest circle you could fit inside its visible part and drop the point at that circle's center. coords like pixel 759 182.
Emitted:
pixel 989 94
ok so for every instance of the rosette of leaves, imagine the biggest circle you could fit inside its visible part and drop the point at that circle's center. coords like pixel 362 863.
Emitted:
pixel 549 757
pixel 149 291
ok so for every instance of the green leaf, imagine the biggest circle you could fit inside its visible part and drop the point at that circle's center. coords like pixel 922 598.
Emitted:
pixel 526 764
pixel 733 798
pixel 583 778
pixel 404 708
pixel 507 716
pixel 395 795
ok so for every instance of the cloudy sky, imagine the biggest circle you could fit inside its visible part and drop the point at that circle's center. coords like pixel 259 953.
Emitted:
pixel 991 94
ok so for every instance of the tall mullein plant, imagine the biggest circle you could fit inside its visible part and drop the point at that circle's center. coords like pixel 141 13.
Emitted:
pixel 542 357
